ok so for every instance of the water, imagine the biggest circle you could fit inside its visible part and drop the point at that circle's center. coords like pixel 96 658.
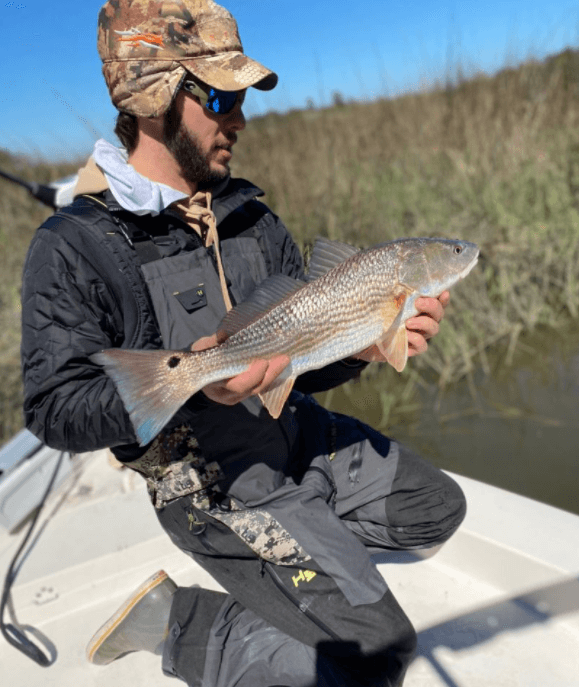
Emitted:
pixel 516 428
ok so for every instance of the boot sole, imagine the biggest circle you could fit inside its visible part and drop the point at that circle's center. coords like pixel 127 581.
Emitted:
pixel 104 632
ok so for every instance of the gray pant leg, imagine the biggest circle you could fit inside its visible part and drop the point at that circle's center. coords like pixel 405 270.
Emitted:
pixel 215 642
pixel 371 644
pixel 245 651
pixel 193 612
pixel 390 497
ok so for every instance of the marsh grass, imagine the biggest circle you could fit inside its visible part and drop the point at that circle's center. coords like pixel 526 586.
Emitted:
pixel 494 160
pixel 20 214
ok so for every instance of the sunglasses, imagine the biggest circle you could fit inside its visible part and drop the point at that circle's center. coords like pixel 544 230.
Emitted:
pixel 214 100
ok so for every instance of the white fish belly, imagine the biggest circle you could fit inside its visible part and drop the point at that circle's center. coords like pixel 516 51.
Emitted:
pixel 346 343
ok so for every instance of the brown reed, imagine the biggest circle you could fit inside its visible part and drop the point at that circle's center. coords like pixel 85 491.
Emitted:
pixel 493 159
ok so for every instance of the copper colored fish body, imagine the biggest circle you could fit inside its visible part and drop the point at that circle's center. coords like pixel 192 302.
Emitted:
pixel 352 300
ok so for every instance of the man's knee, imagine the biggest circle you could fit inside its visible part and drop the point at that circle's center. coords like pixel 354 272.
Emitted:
pixel 427 516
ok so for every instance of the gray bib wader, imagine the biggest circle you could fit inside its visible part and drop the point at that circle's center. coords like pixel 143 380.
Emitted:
pixel 188 303
pixel 348 471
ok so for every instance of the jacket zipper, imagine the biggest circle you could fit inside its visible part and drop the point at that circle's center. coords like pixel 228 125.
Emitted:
pixel 300 605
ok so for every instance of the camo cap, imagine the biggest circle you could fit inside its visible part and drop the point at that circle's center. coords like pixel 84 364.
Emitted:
pixel 147 47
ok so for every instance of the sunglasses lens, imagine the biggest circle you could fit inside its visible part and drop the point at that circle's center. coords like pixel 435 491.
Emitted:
pixel 221 102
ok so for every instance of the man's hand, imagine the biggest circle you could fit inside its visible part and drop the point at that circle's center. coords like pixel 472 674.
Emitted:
pixel 255 380
pixel 419 329
pixel 426 324
pixel 262 373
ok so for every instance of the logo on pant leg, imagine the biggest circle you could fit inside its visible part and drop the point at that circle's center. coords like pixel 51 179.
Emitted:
pixel 304 576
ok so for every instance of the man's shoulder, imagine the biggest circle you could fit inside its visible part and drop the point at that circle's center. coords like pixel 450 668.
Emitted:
pixel 83 211
pixel 82 228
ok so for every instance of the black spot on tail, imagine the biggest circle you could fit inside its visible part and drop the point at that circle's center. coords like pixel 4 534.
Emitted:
pixel 174 361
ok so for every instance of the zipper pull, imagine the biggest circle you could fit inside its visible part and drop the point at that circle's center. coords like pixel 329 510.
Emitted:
pixel 192 520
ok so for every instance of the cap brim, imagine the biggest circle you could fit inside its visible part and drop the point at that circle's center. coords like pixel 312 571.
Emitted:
pixel 231 71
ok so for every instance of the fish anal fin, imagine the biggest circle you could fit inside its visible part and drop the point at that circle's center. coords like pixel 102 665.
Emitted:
pixel 394 347
pixel 276 396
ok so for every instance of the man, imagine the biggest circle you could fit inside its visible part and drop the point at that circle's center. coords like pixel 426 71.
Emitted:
pixel 158 245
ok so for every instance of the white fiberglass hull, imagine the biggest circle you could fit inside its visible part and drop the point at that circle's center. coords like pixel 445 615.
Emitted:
pixel 498 605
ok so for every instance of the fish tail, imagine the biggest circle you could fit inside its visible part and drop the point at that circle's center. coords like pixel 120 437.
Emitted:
pixel 152 385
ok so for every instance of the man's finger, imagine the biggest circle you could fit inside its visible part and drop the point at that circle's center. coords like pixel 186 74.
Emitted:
pixel 431 307
pixel 423 324
pixel 204 343
pixel 417 344
pixel 247 382
pixel 276 366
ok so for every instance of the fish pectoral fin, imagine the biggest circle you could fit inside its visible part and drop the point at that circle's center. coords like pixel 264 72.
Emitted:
pixel 276 396
pixel 394 347
pixel 394 342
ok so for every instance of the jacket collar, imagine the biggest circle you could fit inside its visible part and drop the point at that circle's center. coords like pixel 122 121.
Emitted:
pixel 127 190
pixel 234 194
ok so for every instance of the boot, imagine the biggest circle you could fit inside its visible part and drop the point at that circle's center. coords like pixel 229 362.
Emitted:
pixel 140 624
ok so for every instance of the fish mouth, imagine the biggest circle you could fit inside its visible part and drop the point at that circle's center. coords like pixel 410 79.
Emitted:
pixel 469 267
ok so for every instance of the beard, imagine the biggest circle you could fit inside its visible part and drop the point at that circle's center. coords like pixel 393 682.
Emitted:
pixel 186 149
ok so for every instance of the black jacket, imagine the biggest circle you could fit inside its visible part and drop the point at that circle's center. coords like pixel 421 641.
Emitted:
pixel 83 291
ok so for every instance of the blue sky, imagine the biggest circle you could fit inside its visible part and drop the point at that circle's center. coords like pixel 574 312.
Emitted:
pixel 53 101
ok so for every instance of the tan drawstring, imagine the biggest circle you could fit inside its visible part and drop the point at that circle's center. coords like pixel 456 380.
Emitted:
pixel 199 215
pixel 196 210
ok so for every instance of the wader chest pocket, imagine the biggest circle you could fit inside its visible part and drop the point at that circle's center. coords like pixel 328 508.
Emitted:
pixel 193 299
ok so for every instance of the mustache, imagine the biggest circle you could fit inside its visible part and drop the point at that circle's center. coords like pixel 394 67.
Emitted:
pixel 231 141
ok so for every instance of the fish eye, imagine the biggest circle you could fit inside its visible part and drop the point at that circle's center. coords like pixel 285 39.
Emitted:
pixel 457 250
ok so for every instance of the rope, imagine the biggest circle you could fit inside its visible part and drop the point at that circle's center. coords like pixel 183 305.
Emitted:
pixel 199 215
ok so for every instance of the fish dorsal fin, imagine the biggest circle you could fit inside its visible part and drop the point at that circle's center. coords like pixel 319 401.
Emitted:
pixel 326 254
pixel 271 292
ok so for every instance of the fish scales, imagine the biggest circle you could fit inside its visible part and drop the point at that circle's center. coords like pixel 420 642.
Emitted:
pixel 325 309
pixel 361 301
pixel 317 313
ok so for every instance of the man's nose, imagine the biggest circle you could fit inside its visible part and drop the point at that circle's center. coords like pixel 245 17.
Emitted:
pixel 236 119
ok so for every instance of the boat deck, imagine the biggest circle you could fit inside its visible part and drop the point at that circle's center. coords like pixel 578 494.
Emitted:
pixel 496 606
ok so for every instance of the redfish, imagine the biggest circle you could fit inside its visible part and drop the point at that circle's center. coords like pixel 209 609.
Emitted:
pixel 351 300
